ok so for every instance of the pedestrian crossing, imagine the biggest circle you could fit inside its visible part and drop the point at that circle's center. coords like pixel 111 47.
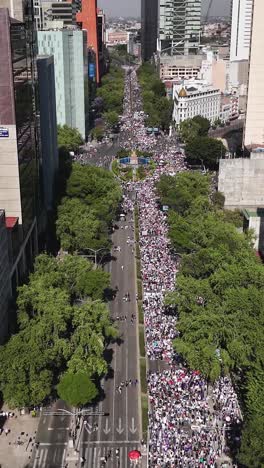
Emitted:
pixel 50 457
pixel 94 455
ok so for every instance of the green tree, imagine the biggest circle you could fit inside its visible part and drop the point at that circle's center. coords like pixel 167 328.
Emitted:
pixel 98 133
pixel 204 125
pixel 58 334
pixel 205 150
pixel 178 192
pixel 78 228
pixel 97 188
pixel 111 118
pixel 189 130
pixel 251 452
pixel 69 138
pixel 218 199
pixel 75 274
pixel 76 389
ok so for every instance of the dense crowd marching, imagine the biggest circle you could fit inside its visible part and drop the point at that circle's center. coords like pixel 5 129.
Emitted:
pixel 187 423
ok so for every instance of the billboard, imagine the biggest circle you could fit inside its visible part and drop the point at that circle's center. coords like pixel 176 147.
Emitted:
pixel 4 132
pixel 91 71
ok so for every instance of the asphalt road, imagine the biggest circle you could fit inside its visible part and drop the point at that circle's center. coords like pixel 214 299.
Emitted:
pixel 121 428
pixel 53 434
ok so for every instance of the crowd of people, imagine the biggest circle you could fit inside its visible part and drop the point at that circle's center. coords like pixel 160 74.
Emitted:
pixel 187 421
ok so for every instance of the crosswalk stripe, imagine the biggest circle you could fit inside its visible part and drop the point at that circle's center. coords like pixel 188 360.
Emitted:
pixel 94 454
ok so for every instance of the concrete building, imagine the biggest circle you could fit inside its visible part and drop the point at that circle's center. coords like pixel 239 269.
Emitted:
pixel 179 26
pixel 180 67
pixel 241 29
pixel 149 28
pixel 215 70
pixel 238 74
pixel 241 182
pixel 193 98
pixel 87 19
pixel 49 161
pixel 254 126
pixel 101 27
pixel 20 195
pixel 240 46
pixel 16 8
pixel 19 146
pixel 50 14
pixel 5 280
pixel 69 48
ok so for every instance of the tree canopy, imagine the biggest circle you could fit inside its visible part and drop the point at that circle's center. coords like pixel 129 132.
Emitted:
pixel 204 150
pixel 56 334
pixel 76 389
pixel 219 298
pixel 198 126
pixel 69 138
pixel 203 123
pixel 188 130
pixel 155 103
pixel 112 90
pixel 87 210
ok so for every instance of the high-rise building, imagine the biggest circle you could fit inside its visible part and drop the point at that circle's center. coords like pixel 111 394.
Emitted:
pixel 149 28
pixel 19 135
pixel 48 127
pixel 20 195
pixel 87 19
pixel 101 28
pixel 254 125
pixel 179 26
pixel 241 29
pixel 50 14
pixel 5 280
pixel 69 48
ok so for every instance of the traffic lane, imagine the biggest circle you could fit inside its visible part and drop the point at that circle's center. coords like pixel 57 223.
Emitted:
pixel 129 393
pixel 132 337
pixel 54 429
pixel 119 400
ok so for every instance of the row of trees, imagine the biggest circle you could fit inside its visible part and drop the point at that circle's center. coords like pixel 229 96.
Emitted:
pixel 111 93
pixel 200 148
pixel 155 103
pixel 59 345
pixel 86 212
pixel 219 297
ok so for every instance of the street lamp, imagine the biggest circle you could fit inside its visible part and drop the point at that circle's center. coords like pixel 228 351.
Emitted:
pixel 95 252
pixel 75 414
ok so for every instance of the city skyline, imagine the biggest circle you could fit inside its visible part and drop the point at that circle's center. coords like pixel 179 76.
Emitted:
pixel 127 8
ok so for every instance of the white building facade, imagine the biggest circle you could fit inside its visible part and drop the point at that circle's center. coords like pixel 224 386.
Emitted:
pixel 194 98
pixel 241 29
pixel 254 125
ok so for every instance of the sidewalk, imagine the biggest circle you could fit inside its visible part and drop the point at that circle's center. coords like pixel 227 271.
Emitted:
pixel 16 447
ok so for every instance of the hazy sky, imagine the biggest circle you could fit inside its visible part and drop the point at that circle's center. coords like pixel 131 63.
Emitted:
pixel 132 7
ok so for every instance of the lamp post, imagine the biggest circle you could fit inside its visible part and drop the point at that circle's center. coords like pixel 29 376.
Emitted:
pixel 74 414
pixel 95 252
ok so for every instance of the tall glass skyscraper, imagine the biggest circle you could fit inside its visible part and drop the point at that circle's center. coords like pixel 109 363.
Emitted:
pixel 149 28
pixel 179 26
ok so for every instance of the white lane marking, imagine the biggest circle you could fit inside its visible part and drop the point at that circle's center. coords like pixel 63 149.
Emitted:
pixel 53 443
pixel 108 442
pixel 58 428
pixel 94 457
pixel 133 429
pixel 107 429
pixel 119 429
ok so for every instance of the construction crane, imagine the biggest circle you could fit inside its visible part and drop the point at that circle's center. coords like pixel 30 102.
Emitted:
pixel 208 11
